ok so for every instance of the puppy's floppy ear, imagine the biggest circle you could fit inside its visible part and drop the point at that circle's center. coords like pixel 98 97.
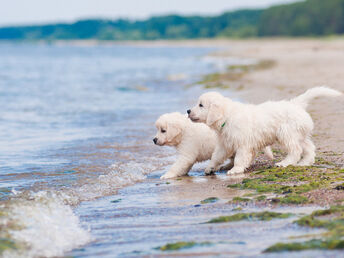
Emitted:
pixel 215 113
pixel 173 130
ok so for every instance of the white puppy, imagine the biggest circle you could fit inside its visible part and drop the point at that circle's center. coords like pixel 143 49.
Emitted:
pixel 245 128
pixel 195 142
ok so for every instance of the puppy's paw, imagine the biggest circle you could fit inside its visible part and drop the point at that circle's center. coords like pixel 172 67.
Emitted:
pixel 168 176
pixel 304 163
pixel 209 171
pixel 236 170
pixel 282 164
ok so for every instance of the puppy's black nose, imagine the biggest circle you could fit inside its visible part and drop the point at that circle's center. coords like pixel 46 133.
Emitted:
pixel 188 111
pixel 155 140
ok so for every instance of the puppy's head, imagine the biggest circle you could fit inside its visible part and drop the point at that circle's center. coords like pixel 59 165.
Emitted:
pixel 209 108
pixel 170 129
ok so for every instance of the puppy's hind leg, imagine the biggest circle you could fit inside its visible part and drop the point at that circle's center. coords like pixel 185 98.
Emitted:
pixel 243 159
pixel 290 139
pixel 180 168
pixel 308 153
pixel 293 156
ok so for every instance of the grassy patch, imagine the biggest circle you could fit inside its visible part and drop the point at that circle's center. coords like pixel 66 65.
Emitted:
pixel 6 244
pixel 322 161
pixel 180 245
pixel 307 245
pixel 233 73
pixel 210 200
pixel 294 199
pixel 265 216
pixel 260 198
pixel 331 219
pixel 240 199
pixel 292 182
pixel 335 222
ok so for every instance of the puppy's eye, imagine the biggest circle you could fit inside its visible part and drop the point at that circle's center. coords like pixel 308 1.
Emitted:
pixel 163 131
pixel 200 105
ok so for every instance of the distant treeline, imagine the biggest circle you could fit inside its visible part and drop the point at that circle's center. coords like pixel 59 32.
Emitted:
pixel 306 18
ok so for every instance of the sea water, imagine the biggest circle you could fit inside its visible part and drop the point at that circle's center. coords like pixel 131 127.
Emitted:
pixel 76 124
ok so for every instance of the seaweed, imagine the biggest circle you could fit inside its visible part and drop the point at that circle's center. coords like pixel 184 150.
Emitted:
pixel 6 244
pixel 331 219
pixel 210 200
pixel 307 245
pixel 294 199
pixel 264 216
pixel 233 73
pixel 260 198
pixel 291 183
pixel 240 199
pixel 180 245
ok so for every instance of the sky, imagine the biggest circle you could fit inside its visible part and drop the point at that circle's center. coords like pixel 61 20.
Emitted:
pixel 23 12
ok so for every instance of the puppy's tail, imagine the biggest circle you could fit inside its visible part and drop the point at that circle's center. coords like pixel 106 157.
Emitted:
pixel 310 94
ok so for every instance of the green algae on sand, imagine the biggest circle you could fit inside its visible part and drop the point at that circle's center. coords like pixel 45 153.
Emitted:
pixel 6 244
pixel 307 245
pixel 264 216
pixel 260 198
pixel 331 219
pixel 293 199
pixel 291 183
pixel 180 245
pixel 240 199
pixel 233 74
pixel 210 200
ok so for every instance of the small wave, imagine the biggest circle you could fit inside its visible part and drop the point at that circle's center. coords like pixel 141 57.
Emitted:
pixel 118 176
pixel 40 224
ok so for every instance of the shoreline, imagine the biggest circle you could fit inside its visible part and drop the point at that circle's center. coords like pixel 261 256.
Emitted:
pixel 172 207
pixel 200 42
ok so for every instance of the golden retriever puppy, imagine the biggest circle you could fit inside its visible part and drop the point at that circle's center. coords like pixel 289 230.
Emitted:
pixel 244 129
pixel 195 142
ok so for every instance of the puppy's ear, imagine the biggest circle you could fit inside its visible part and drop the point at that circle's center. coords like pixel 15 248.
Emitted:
pixel 215 113
pixel 173 130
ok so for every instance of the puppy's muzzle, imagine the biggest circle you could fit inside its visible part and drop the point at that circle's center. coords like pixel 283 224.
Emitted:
pixel 155 140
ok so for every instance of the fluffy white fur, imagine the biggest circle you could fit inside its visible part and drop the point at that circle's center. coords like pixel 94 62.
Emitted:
pixel 244 129
pixel 195 142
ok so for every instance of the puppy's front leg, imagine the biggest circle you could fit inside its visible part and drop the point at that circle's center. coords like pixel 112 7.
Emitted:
pixel 242 160
pixel 218 157
pixel 180 168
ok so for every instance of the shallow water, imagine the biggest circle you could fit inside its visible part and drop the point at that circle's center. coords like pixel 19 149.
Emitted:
pixel 76 128
pixel 76 124
pixel 152 213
